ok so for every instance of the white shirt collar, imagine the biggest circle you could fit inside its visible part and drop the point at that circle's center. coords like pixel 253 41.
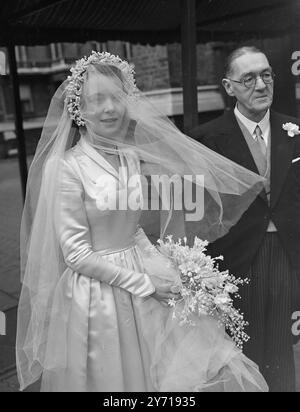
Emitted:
pixel 264 124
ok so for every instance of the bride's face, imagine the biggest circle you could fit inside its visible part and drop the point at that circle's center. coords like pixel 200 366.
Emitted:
pixel 104 105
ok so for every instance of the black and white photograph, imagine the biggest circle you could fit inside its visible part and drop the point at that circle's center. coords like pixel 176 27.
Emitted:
pixel 149 198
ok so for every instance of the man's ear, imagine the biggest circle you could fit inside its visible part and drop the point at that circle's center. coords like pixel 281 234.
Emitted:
pixel 228 87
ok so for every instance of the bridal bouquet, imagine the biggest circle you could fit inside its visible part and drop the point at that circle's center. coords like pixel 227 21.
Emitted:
pixel 204 289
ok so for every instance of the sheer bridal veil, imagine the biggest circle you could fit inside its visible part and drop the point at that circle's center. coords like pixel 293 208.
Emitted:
pixel 182 166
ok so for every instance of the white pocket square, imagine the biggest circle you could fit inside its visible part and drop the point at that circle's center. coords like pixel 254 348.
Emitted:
pixel 296 160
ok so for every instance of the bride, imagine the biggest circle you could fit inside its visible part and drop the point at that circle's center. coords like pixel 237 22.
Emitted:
pixel 93 313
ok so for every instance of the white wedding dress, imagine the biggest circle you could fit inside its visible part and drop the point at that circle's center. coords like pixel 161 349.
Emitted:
pixel 106 333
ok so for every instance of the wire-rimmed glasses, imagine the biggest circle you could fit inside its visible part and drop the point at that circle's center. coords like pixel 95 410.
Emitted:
pixel 250 80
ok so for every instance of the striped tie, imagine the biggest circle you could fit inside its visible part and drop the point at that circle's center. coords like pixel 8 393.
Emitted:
pixel 260 141
pixel 262 150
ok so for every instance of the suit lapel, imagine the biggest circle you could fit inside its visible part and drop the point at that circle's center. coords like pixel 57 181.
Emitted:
pixel 234 146
pixel 282 148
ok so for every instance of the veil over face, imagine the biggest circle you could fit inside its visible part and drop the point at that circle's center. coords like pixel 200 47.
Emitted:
pixel 187 188
pixel 103 103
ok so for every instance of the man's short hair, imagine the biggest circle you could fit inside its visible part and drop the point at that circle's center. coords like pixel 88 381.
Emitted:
pixel 235 54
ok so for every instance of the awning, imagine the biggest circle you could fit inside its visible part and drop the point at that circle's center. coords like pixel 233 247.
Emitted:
pixel 142 21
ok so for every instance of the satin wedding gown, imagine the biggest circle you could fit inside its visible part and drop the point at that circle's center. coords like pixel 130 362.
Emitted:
pixel 106 332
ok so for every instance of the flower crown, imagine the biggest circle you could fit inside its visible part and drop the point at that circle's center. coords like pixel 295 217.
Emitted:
pixel 74 88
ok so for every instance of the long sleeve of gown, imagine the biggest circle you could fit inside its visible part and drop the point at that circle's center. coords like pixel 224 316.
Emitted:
pixel 74 234
pixel 156 264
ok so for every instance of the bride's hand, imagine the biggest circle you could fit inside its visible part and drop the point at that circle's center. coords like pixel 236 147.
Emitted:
pixel 163 292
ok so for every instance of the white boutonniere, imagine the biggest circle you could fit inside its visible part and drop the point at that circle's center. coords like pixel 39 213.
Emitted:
pixel 291 128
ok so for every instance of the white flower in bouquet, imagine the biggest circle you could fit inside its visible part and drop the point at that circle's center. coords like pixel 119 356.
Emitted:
pixel 231 289
pixel 204 289
pixel 222 300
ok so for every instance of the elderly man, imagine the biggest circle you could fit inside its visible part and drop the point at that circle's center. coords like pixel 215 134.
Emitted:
pixel 265 244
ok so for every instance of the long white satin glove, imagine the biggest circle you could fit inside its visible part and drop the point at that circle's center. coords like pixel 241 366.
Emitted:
pixel 94 266
pixel 74 236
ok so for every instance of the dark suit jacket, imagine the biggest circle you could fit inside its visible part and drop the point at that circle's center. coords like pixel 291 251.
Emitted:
pixel 241 244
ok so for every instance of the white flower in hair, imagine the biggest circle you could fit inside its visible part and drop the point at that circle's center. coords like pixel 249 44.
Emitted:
pixel 76 80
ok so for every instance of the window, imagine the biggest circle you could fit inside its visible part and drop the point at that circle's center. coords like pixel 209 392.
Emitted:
pixel 56 52
pixel 96 46
pixel 2 63
pixel 2 103
pixel 7 102
pixel 26 99
pixel 21 56
pixel 128 51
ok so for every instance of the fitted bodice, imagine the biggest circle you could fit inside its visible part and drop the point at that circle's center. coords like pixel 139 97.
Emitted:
pixel 106 196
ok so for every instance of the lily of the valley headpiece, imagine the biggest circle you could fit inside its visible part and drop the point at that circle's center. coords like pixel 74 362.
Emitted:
pixel 76 80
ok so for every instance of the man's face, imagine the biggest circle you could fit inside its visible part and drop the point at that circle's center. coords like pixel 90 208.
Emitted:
pixel 256 100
